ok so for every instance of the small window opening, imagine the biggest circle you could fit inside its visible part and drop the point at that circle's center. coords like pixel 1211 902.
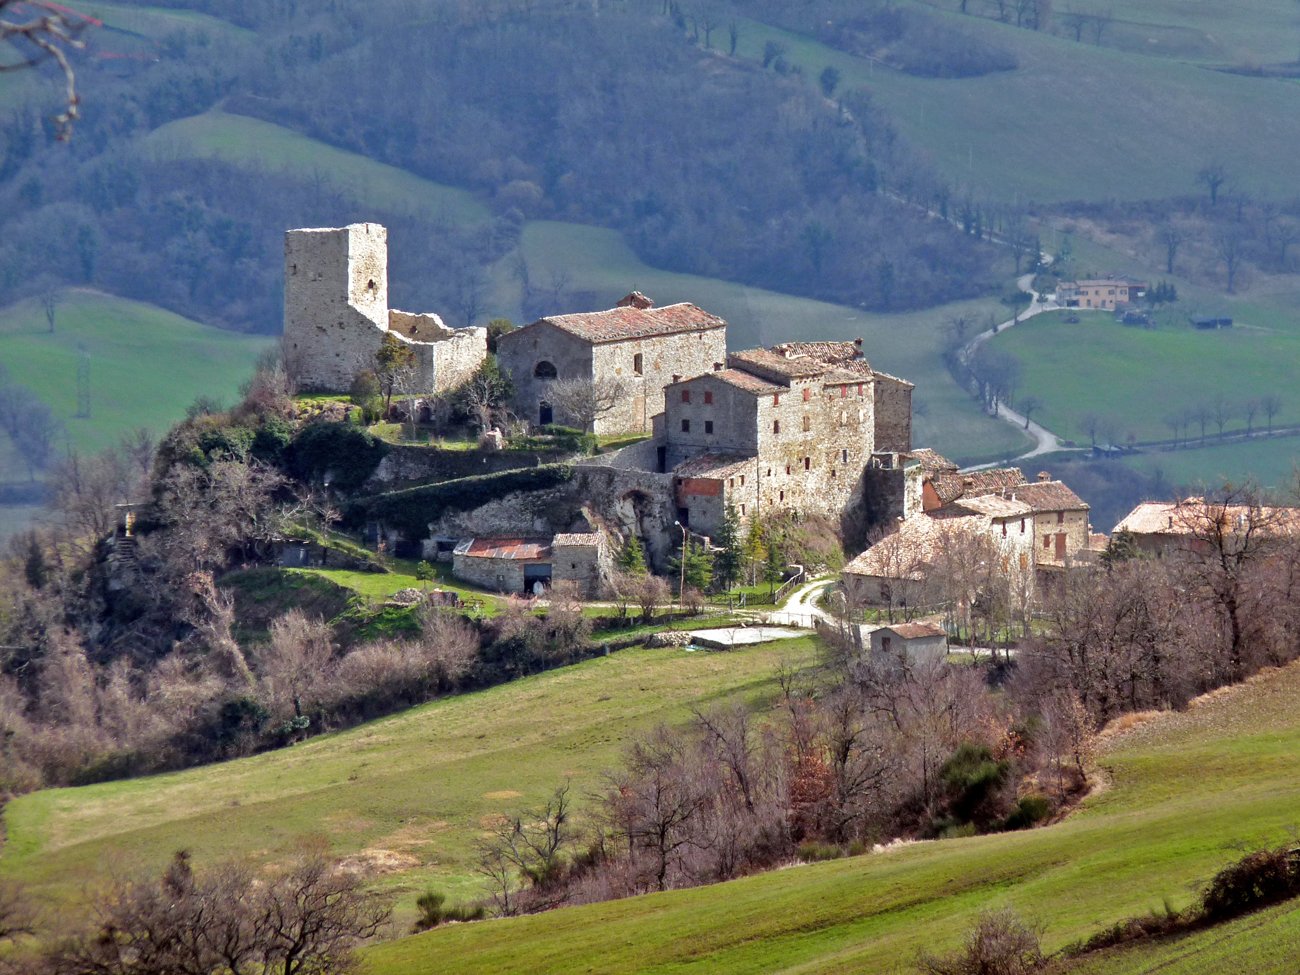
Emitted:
pixel 708 426
pixel 637 364
pixel 686 395
pixel 708 396
pixel 686 426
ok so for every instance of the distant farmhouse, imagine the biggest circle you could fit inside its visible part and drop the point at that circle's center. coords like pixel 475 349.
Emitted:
pixel 336 315
pixel 1104 293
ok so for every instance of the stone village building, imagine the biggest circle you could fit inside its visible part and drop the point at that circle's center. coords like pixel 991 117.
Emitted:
pixel 336 315
pixel 800 427
pixel 1039 530
pixel 522 565
pixel 636 345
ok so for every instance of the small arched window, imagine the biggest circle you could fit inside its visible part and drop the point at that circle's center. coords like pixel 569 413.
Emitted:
pixel 545 370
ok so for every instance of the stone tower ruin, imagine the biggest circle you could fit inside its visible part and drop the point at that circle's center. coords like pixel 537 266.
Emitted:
pixel 336 314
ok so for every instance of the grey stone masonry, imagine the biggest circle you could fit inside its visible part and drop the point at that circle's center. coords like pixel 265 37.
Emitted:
pixel 336 315
pixel 636 345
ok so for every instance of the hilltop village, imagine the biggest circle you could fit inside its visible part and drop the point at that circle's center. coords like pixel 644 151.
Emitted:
pixel 803 429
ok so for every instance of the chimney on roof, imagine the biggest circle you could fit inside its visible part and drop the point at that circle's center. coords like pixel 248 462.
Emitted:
pixel 1044 476
pixel 717 367
pixel 635 300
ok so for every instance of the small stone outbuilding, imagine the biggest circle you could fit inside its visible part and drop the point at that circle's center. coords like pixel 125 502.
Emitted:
pixel 531 566
pixel 914 641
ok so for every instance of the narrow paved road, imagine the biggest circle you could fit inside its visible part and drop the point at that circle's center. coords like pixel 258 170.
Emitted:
pixel 1045 442
pixel 801 608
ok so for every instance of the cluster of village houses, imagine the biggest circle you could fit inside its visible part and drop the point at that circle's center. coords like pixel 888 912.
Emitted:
pixel 800 427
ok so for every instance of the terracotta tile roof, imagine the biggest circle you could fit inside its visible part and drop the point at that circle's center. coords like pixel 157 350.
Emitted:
pixel 630 322
pixel 1098 542
pixel 931 461
pixel 994 505
pixel 951 486
pixel 831 353
pixel 505 548
pixel 1048 496
pixel 767 362
pixel 1191 515
pixel 914 631
pixel 715 466
pixel 886 377
pixel 577 538
pixel 916 544
pixel 743 380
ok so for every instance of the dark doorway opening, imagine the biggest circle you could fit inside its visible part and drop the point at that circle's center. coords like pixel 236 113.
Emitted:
pixel 545 415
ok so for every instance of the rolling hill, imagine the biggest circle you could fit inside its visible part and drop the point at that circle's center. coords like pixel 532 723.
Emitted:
pixel 1182 791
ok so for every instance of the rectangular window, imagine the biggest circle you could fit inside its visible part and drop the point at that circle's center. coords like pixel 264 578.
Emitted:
pixel 742 480
pixel 844 456
pixel 637 363
pixel 807 394
pixel 1060 517
pixel 686 426
pixel 731 483
pixel 807 463
pixel 769 472
pixel 1047 541
pixel 782 495
pixel 1004 529
pixel 844 392
pixel 787 470
pixel 807 424
pixel 832 472
pixel 708 426
pixel 776 399
pixel 776 426
pixel 859 389
pixel 708 397
pixel 742 510
pixel 686 395
pixel 1022 526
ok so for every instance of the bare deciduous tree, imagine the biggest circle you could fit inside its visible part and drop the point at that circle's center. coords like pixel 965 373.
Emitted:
pixel 36 31
pixel 584 401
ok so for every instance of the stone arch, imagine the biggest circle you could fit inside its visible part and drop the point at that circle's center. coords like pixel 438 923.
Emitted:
pixel 545 370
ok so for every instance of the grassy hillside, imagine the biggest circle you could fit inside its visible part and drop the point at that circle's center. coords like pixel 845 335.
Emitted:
pixel 1271 463
pixel 405 795
pixel 248 141
pixel 146 364
pixel 1183 789
pixel 1139 376
pixel 1076 121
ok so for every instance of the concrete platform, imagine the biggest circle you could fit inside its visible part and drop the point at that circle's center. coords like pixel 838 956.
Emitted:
pixel 724 638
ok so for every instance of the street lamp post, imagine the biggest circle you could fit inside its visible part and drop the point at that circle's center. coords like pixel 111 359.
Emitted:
pixel 681 585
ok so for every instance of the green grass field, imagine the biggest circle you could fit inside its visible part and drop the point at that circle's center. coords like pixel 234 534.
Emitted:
pixel 1183 791
pixel 1076 121
pixel 146 364
pixel 1270 463
pixel 1140 376
pixel 406 794
pixel 248 141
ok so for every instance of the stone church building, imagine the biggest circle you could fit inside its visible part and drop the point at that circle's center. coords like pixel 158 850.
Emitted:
pixel 639 347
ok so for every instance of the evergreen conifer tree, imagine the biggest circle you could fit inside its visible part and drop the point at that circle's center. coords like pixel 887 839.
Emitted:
pixel 632 558
pixel 729 561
